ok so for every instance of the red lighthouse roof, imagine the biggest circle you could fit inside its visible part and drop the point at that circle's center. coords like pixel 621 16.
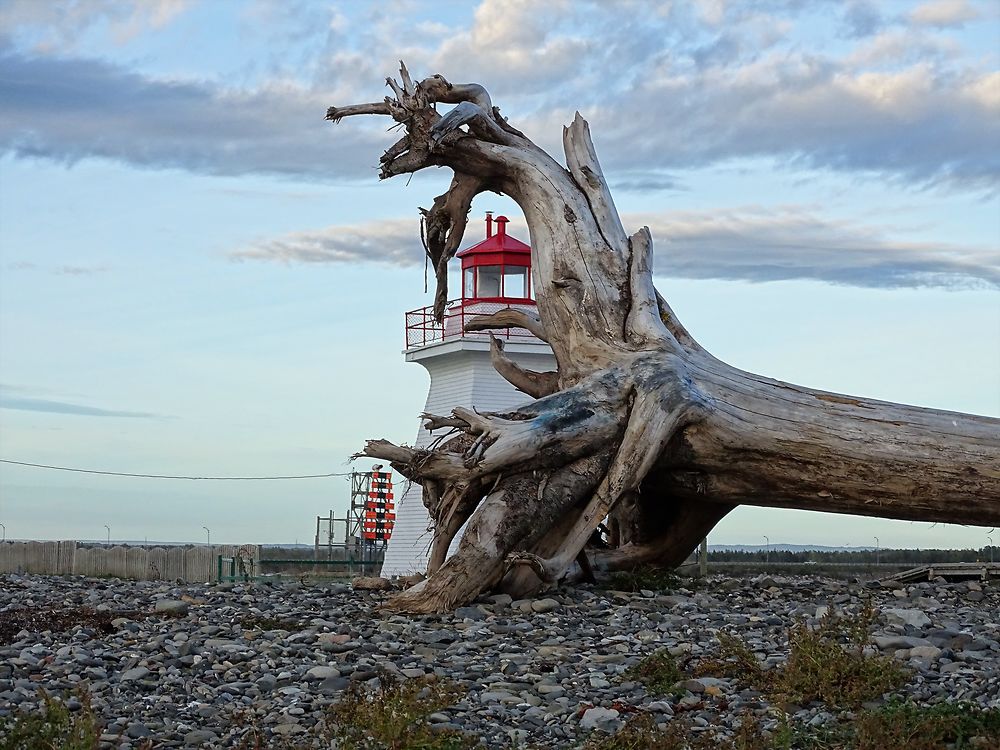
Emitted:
pixel 496 274
pixel 498 269
pixel 497 242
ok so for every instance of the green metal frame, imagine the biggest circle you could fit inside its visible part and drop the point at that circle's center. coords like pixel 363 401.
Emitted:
pixel 350 564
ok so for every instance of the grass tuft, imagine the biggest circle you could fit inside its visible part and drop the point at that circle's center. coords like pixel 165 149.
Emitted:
pixel 650 579
pixel 658 672
pixel 639 733
pixel 52 727
pixel 827 663
pixel 265 623
pixel 895 726
pixel 906 725
pixel 642 733
pixel 394 716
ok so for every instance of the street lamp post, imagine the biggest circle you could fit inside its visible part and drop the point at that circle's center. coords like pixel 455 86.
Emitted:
pixel 767 549
pixel 208 536
pixel 876 551
pixel 988 536
pixel 4 533
pixel 109 532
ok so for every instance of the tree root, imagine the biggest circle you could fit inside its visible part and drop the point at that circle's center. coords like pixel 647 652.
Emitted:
pixel 639 421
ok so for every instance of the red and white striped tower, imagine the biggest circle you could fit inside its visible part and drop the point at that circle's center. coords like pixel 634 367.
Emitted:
pixel 380 515
pixel 496 273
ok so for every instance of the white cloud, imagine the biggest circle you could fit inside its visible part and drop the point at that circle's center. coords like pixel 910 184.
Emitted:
pixel 712 12
pixel 393 241
pixel 750 243
pixel 754 243
pixel 901 46
pixel 916 124
pixel 664 91
pixel 517 43
pixel 70 109
pixel 943 13
pixel 57 23
pixel 78 270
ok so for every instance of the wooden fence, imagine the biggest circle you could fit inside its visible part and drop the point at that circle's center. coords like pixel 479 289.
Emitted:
pixel 142 562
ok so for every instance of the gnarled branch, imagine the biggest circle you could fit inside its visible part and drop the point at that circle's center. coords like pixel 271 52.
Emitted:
pixel 647 426
pixel 509 317
pixel 535 384
pixel 444 227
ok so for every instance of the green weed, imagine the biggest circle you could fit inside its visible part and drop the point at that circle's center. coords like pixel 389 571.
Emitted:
pixel 642 733
pixel 650 579
pixel 52 727
pixel 393 717
pixel 826 663
pixel 658 672
pixel 829 663
pixel 904 724
pixel 261 622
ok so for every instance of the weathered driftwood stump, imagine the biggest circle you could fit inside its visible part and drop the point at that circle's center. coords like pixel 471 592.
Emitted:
pixel 639 424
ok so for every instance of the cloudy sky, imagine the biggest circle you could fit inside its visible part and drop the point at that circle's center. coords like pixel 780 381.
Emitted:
pixel 200 276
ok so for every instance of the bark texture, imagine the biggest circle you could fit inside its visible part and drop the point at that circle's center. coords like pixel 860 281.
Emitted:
pixel 639 424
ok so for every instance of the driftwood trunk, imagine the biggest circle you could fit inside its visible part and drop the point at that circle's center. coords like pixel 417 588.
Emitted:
pixel 639 424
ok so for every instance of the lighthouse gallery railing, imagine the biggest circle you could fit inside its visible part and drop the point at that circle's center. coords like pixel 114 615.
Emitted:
pixel 422 329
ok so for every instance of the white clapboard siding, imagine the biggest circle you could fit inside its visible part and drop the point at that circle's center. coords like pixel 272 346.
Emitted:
pixel 461 375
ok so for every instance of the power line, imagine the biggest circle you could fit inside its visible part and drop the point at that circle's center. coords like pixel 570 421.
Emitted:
pixel 170 476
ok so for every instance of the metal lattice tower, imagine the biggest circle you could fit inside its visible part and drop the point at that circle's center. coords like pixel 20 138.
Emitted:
pixel 373 510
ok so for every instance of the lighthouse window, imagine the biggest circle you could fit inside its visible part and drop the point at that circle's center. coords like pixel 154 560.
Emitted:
pixel 469 283
pixel 489 281
pixel 515 281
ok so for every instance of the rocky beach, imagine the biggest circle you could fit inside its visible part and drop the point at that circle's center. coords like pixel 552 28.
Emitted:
pixel 202 665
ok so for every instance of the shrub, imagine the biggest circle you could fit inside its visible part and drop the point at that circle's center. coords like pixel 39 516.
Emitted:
pixel 53 727
pixel 825 664
pixel 821 666
pixel 265 623
pixel 904 724
pixel 650 579
pixel 735 660
pixel 658 672
pixel 641 733
pixel 393 716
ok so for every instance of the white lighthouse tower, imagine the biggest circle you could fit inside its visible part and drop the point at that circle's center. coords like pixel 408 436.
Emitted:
pixel 496 273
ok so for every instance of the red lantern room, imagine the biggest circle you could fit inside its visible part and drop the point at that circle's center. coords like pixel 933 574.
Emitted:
pixel 496 273
pixel 498 269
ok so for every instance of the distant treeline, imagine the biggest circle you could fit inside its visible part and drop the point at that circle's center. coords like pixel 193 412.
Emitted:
pixel 859 557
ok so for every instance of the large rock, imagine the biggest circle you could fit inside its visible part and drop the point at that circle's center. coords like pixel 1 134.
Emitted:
pixel 200 738
pixel 599 718
pixel 925 652
pixel 172 607
pixel 136 673
pixel 894 642
pixel 322 673
pixel 912 617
